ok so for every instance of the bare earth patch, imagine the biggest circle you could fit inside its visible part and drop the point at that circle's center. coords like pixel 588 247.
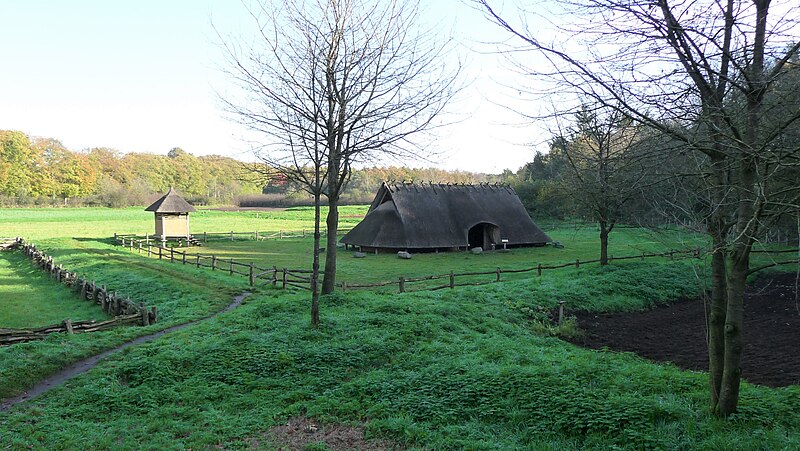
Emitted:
pixel 302 432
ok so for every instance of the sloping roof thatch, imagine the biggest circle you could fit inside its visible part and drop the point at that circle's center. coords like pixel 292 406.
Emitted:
pixel 170 203
pixel 430 215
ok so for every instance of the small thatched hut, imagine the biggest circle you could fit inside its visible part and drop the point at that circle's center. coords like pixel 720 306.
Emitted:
pixel 433 216
pixel 172 216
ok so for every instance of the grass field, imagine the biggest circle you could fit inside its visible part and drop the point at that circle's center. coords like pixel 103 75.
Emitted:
pixel 452 369
pixel 29 298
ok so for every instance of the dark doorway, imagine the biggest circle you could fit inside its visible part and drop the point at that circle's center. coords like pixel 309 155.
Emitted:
pixel 483 235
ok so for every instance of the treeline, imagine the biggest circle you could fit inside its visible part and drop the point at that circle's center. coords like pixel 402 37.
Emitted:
pixel 41 171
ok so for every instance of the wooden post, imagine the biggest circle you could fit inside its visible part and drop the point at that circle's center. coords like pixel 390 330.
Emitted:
pixel 539 269
pixel 160 253
pixel 83 287
pixel 231 268
pixel 68 326
pixel 274 276
pixel 577 263
pixel 642 255
pixel 304 233
pixel 402 284
pixel 281 234
pixel 452 280
pixel 145 316
pixel 117 241
pixel 149 249
pixel 205 237
pixel 147 239
pixel 213 262
pixel 498 275
pixel 560 312
pixel 140 247
pixel 344 286
pixel 130 242
pixel 115 237
pixel 284 278
pixel 252 276
pixel 183 257
pixel 153 316
pixel 255 235
pixel 172 254
pixel 231 235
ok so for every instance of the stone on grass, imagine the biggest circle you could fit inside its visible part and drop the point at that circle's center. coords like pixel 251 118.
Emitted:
pixel 359 255
pixel 404 255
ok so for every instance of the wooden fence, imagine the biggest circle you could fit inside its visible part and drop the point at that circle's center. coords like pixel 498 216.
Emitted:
pixel 256 275
pixel 204 237
pixel 451 281
pixel 301 278
pixel 123 309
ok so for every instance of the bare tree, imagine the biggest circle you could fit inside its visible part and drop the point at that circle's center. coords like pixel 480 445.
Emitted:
pixel 607 165
pixel 333 83
pixel 701 72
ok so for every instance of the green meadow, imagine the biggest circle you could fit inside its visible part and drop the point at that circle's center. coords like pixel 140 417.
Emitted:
pixel 468 368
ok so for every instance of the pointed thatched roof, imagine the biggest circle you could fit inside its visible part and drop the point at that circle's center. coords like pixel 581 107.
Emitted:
pixel 432 215
pixel 170 203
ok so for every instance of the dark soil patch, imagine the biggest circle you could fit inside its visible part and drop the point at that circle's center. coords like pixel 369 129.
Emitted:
pixel 301 433
pixel 677 333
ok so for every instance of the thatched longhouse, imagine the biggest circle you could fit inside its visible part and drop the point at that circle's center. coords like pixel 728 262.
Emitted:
pixel 434 216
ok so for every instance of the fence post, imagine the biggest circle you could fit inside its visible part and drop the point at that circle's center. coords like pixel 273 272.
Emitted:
pixel 140 247
pixel 231 268
pixel 172 254
pixel 252 275
pixel 213 262
pixel 274 276
pixel 143 312
pixel 304 233
pixel 452 280
pixel 68 326
pixel 183 257
pixel 115 237
pixel 160 252
pixel 539 269
pixel 498 275
pixel 205 237
pixel 255 235
pixel 284 278
pixel 231 235
pixel 116 241
pixel 344 286
pixel 642 255
pixel 577 262
pixel 130 243
pixel 560 312
pixel 83 287
pixel 197 257
pixel 153 316
pixel 402 284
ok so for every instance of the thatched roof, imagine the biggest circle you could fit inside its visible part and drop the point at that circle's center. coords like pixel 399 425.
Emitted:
pixel 170 203
pixel 431 215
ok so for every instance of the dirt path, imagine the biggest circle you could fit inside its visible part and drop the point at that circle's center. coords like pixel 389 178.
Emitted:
pixel 677 333
pixel 88 363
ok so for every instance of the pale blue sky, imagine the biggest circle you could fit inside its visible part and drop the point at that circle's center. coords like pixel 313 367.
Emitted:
pixel 139 76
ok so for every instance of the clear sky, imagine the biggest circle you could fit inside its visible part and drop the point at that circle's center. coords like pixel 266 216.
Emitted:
pixel 140 76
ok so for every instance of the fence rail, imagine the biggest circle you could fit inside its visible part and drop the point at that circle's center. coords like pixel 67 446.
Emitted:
pixel 204 237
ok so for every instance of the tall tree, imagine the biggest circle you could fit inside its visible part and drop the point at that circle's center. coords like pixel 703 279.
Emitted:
pixel 701 72
pixel 333 83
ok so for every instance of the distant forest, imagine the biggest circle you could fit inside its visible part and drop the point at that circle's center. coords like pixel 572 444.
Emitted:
pixel 41 171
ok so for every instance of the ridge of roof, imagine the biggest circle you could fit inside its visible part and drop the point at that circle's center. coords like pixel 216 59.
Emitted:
pixel 417 186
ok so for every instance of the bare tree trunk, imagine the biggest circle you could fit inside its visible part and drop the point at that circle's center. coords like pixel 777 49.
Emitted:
pixel 716 317
pixel 329 279
pixel 731 376
pixel 604 231
pixel 315 265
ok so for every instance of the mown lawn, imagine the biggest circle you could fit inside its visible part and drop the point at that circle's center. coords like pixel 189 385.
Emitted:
pixel 457 369
pixel 29 298
pixel 40 223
